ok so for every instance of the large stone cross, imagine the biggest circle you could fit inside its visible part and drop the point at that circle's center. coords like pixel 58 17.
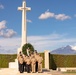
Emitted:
pixel 24 28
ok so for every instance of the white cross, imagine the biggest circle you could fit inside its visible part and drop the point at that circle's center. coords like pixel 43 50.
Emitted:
pixel 24 28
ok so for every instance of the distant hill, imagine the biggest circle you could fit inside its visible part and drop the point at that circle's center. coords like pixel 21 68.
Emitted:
pixel 64 50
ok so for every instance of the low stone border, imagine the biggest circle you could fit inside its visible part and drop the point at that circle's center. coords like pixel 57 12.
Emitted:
pixel 70 69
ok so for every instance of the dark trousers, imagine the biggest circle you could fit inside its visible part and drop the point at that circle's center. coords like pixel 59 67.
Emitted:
pixel 24 66
pixel 36 66
pixel 21 68
pixel 28 68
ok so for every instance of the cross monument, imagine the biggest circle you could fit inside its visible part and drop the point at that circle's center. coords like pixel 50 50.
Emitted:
pixel 24 9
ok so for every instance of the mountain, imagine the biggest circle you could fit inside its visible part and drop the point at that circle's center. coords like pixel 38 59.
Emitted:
pixel 64 50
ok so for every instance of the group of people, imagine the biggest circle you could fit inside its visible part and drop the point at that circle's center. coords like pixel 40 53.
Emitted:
pixel 31 63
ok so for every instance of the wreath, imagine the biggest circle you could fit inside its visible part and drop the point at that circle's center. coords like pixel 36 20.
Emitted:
pixel 28 47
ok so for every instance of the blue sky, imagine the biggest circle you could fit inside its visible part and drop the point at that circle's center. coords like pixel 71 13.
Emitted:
pixel 50 24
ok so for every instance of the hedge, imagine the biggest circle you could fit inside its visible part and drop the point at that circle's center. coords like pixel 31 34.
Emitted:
pixel 42 54
pixel 62 61
pixel 55 60
pixel 6 58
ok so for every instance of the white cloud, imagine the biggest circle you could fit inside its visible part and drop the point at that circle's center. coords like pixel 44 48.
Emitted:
pixel 2 24
pixel 10 41
pixel 1 33
pixel 50 42
pixel 5 32
pixel 29 21
pixel 45 37
pixel 62 17
pixel 9 45
pixel 9 33
pixel 48 14
pixel 73 47
pixel 1 6
pixel 40 43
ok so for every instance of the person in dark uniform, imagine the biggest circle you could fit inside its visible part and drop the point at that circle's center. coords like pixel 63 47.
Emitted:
pixel 20 62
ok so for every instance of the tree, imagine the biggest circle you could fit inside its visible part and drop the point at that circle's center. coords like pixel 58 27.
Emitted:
pixel 25 47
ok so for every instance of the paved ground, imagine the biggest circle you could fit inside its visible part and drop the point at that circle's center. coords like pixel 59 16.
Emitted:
pixel 7 71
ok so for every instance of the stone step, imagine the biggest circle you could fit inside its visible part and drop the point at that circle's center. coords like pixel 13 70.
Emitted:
pixel 13 65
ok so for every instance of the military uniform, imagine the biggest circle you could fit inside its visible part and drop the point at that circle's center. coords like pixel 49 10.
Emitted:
pixel 20 62
pixel 36 57
pixel 40 59
pixel 31 56
pixel 33 64
pixel 28 64
pixel 24 63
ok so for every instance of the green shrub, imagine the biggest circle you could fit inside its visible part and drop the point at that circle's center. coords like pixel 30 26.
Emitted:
pixel 62 61
pixel 6 58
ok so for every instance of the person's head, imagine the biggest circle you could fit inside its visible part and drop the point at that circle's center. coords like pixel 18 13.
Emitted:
pixel 28 57
pixel 39 54
pixel 20 53
pixel 35 51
